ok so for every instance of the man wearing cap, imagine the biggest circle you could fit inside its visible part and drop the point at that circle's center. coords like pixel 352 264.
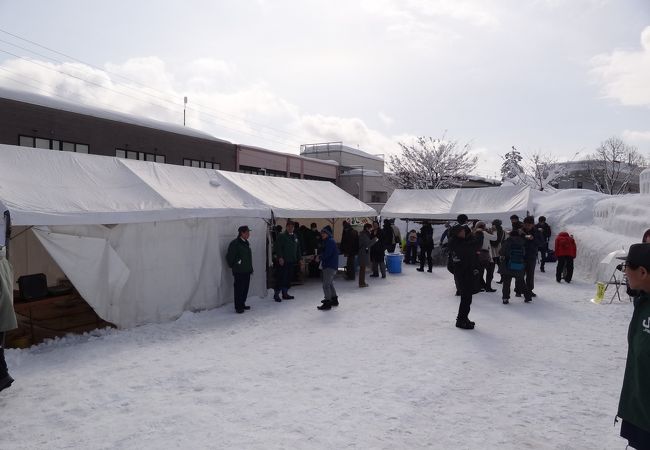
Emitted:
pixel 240 260
pixel 634 404
pixel 330 262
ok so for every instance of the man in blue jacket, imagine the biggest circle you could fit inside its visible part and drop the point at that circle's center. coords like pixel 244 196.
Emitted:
pixel 330 262
pixel 634 405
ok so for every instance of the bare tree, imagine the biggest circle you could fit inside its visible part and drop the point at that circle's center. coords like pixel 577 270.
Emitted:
pixel 537 171
pixel 431 163
pixel 614 165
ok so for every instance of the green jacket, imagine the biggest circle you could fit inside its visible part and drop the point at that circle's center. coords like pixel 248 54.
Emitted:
pixel 634 405
pixel 7 315
pixel 287 247
pixel 239 256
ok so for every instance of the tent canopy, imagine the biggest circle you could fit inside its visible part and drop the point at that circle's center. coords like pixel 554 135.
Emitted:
pixel 445 204
pixel 45 187
pixel 293 198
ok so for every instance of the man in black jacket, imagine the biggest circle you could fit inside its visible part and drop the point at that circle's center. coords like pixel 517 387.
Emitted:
pixel 349 248
pixel 545 231
pixel 463 254
pixel 240 260
pixel 533 239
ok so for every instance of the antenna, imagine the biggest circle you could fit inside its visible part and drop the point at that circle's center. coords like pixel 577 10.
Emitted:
pixel 184 106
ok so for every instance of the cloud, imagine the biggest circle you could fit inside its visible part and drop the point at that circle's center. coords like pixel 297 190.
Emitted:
pixel 251 114
pixel 624 75
pixel 637 137
pixel 386 120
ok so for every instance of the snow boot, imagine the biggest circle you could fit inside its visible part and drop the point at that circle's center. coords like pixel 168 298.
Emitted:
pixel 326 306
pixel 334 301
pixel 5 382
pixel 287 297
pixel 465 324
pixel 506 300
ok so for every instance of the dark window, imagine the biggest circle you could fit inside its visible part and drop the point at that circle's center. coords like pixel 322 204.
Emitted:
pixel 201 164
pixel 142 156
pixel 579 184
pixel 53 144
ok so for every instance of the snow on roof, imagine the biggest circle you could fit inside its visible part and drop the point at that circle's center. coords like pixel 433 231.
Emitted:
pixel 64 105
pixel 364 172
pixel 337 147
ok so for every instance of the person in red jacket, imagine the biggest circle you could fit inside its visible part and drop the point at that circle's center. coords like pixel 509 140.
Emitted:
pixel 565 250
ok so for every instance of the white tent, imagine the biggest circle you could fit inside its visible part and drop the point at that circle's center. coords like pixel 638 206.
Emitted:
pixel 293 198
pixel 143 242
pixel 445 204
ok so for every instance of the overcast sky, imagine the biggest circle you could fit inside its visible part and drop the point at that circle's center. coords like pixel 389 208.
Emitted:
pixel 557 76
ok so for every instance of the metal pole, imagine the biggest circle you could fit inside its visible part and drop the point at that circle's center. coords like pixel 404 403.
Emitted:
pixel 184 106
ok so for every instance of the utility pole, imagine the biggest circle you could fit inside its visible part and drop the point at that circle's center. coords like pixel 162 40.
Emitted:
pixel 184 106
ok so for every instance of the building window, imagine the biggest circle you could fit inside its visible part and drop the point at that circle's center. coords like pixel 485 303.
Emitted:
pixel 378 197
pixel 201 164
pixel 260 171
pixel 52 144
pixel 141 156
pixel 579 184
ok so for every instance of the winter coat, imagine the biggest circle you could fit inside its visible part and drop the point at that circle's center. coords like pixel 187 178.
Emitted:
pixel 349 241
pixel 397 235
pixel 377 251
pixel 565 245
pixel 463 254
pixel 426 236
pixel 495 246
pixel 532 245
pixel 239 256
pixel 387 236
pixel 545 229
pixel 504 253
pixel 330 257
pixel 287 247
pixel 7 314
pixel 366 243
pixel 310 239
pixel 412 239
pixel 633 405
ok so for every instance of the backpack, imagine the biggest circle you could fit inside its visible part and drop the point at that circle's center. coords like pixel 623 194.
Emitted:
pixel 516 257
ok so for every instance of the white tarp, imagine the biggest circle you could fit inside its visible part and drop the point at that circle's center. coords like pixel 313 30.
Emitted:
pixel 293 198
pixel 143 242
pixel 445 204
pixel 45 187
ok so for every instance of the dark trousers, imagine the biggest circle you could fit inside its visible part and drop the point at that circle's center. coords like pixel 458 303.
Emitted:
pixel 543 251
pixel 638 438
pixel 564 262
pixel 465 284
pixel 489 275
pixel 425 255
pixel 411 253
pixel 349 267
pixel 284 275
pixel 520 285
pixel 529 276
pixel 242 282
pixel 391 247
pixel 3 363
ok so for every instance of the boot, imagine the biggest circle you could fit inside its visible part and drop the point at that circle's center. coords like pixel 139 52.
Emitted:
pixel 420 269
pixel 465 324
pixel 5 382
pixel 506 300
pixel 325 306
pixel 287 297
pixel 334 301
pixel 276 297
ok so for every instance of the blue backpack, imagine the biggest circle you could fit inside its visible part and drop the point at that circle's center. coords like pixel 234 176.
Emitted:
pixel 516 257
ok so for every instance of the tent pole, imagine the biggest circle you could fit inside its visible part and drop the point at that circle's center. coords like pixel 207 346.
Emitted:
pixel 7 216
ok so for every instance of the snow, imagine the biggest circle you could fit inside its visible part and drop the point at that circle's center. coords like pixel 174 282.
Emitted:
pixel 386 369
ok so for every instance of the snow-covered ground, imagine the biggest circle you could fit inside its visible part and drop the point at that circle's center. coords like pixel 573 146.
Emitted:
pixel 387 369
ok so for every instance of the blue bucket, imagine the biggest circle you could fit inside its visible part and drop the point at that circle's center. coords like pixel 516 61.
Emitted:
pixel 394 262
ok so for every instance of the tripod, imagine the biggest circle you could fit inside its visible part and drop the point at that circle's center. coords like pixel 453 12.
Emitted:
pixel 618 281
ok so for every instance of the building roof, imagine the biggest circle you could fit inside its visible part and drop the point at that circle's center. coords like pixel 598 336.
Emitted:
pixel 64 105
pixel 336 147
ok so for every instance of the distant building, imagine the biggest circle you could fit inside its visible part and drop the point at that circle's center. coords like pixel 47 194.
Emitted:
pixel 32 120
pixel 577 176
pixel 361 174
